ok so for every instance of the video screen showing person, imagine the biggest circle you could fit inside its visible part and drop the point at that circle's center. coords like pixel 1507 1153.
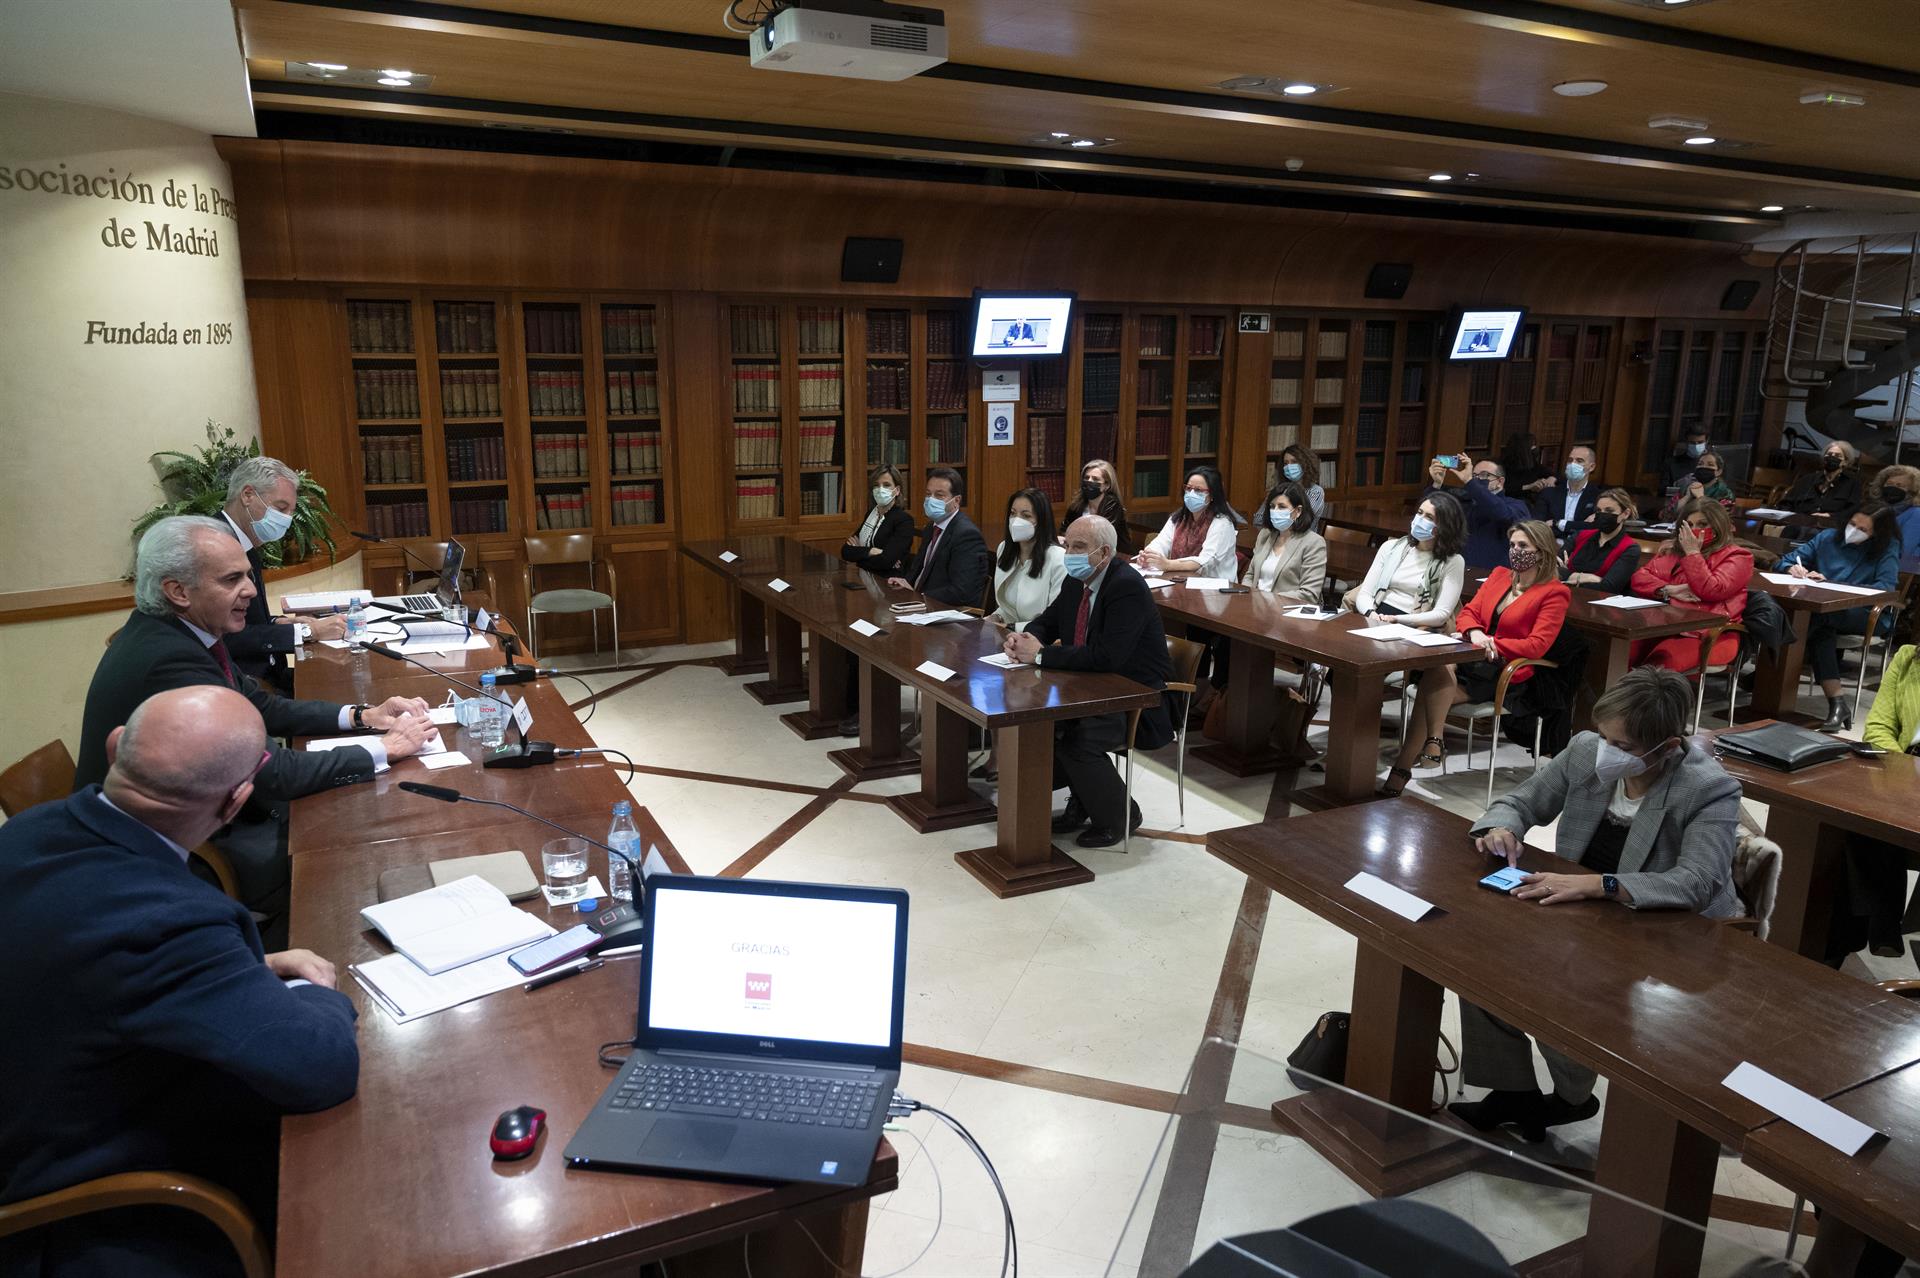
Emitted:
pixel 1484 335
pixel 1018 334
pixel 1020 326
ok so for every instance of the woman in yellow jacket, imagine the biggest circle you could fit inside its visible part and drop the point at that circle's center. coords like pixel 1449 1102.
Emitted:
pixel 1867 913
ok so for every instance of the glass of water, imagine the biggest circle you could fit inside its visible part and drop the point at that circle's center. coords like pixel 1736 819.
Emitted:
pixel 456 613
pixel 565 863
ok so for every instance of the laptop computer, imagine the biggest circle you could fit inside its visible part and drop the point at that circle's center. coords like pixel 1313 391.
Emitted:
pixel 769 1038
pixel 447 592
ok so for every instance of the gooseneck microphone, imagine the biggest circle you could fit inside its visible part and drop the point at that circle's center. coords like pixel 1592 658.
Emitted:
pixel 387 541
pixel 525 754
pixel 510 673
pixel 394 654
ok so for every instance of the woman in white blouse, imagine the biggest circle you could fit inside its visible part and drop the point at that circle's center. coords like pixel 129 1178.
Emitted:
pixel 1199 539
pixel 1416 580
pixel 1029 565
pixel 1289 557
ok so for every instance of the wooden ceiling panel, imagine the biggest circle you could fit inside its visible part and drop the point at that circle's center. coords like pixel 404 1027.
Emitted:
pixel 1878 32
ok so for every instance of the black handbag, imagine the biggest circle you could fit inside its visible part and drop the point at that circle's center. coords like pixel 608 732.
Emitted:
pixel 1322 1054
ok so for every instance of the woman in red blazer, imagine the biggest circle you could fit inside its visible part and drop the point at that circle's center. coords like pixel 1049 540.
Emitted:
pixel 1702 568
pixel 1517 613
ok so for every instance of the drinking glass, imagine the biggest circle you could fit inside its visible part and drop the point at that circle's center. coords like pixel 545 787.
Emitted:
pixel 565 864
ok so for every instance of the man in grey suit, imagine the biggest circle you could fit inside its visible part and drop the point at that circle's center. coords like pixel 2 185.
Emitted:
pixel 1654 818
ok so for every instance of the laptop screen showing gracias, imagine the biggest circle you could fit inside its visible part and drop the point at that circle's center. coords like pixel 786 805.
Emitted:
pixel 788 970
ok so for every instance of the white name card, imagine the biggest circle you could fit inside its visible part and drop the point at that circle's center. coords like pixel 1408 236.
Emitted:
pixel 727 556
pixel 523 716
pixel 934 670
pixel 864 627
pixel 1807 1112
pixel 777 585
pixel 1399 900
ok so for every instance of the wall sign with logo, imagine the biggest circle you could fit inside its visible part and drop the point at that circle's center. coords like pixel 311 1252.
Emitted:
pixel 999 425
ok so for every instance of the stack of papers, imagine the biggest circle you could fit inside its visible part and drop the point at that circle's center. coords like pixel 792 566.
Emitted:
pixel 1768 512
pixel 1787 579
pixel 407 993
pixel 1154 583
pixel 453 925
pixel 1207 583
pixel 1625 601
pixel 1307 612
pixel 1002 660
pixel 932 618
pixel 1394 631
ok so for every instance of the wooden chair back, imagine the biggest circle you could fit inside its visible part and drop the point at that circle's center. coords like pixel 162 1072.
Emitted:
pixel 560 548
pixel 44 775
pixel 219 1206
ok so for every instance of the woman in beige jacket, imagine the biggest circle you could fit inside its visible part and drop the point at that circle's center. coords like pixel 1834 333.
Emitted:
pixel 1289 557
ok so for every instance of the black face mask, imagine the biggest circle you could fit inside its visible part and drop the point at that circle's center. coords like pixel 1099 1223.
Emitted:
pixel 1605 520
pixel 1090 493
pixel 1831 462
pixel 1893 496
pixel 1704 475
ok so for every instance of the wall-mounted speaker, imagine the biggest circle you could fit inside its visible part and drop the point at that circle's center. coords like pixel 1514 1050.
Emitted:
pixel 1389 280
pixel 1739 295
pixel 870 261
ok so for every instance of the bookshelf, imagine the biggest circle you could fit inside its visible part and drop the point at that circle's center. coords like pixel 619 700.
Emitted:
pixel 1156 341
pixel 1325 394
pixel 1102 329
pixel 1044 389
pixel 467 383
pixel 634 443
pixel 950 389
pixel 1358 392
pixel 788 394
pixel 1556 386
pixel 389 416
pixel 889 390
pixel 1203 374
pixel 560 442
pixel 1286 382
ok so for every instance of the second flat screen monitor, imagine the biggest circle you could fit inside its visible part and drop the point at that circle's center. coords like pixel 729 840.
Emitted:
pixel 1484 334
pixel 1017 325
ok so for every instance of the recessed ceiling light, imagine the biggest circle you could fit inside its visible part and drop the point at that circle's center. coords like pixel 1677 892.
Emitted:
pixel 1059 137
pixel 1299 89
pixel 1826 97
pixel 405 75
pixel 1580 88
pixel 396 81
pixel 1700 139
pixel 1773 208
pixel 329 66
pixel 1683 122
pixel 1439 177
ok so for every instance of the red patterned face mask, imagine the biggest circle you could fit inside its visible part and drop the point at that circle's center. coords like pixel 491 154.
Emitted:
pixel 1704 536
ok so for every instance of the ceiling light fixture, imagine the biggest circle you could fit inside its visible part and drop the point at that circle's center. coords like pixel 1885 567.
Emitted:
pixel 1828 97
pixel 1059 137
pixel 396 82
pixel 403 75
pixel 1299 89
pixel 1685 123
pixel 1773 208
pixel 1700 139
pixel 1439 177
pixel 1580 88
pixel 328 66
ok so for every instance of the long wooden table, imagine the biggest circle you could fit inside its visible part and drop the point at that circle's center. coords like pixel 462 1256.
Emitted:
pixel 762 642
pixel 399 1181
pixel 1664 1004
pixel 1776 677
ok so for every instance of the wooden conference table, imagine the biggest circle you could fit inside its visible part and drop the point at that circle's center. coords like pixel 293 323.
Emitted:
pixel 398 1180
pixel 1663 1004
pixel 825 597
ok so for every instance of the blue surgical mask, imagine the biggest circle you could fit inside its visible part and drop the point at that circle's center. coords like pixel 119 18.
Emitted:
pixel 272 524
pixel 936 509
pixel 1695 450
pixel 1079 567
pixel 882 495
pixel 1422 528
pixel 1281 520
pixel 1196 502
pixel 1575 472
pixel 1293 471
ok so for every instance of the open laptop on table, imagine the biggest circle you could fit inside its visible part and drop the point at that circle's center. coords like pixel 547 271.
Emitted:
pixel 447 592
pixel 769 1036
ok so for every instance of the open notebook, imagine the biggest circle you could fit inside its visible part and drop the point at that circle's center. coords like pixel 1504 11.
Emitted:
pixel 454 924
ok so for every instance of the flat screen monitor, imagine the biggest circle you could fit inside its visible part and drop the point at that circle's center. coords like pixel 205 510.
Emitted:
pixel 1483 334
pixel 1020 325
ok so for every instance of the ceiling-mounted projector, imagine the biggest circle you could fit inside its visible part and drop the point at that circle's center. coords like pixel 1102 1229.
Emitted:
pixel 858 39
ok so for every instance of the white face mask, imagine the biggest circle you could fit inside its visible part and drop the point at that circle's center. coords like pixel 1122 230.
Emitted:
pixel 1613 765
pixel 1020 529
pixel 882 495
pixel 1855 535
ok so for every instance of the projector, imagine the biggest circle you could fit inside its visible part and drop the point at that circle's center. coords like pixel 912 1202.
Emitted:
pixel 857 39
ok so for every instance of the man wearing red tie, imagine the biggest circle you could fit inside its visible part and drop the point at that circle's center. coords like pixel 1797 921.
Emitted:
pixel 191 589
pixel 1102 620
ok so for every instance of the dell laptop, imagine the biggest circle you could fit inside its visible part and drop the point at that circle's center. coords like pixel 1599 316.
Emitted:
pixel 769 1037
pixel 447 592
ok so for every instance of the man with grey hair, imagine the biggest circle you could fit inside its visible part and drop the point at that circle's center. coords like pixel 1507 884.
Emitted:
pixel 261 496
pixel 191 589
pixel 162 1033
pixel 1103 619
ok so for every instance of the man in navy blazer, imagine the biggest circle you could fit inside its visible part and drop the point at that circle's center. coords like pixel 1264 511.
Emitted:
pixel 149 1030
pixel 261 496
pixel 953 562
pixel 1119 634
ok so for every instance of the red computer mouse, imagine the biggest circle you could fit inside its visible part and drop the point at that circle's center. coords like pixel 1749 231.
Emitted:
pixel 516 1132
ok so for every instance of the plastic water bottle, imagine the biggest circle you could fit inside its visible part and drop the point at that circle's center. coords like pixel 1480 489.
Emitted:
pixel 623 836
pixel 356 627
pixel 490 720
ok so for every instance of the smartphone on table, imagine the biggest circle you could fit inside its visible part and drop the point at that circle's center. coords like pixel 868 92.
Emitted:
pixel 1505 879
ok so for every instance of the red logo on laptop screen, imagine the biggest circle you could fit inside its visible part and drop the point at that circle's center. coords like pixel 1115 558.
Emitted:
pixel 760 985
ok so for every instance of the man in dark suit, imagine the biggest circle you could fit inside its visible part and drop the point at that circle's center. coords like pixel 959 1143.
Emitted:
pixel 1104 620
pixel 1569 506
pixel 191 588
pixel 151 1030
pixel 953 562
pixel 261 495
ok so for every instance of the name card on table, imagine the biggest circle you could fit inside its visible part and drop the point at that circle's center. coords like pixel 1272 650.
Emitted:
pixel 934 670
pixel 864 627
pixel 1399 900
pixel 727 556
pixel 1807 1112
pixel 523 716
pixel 1625 601
pixel 777 585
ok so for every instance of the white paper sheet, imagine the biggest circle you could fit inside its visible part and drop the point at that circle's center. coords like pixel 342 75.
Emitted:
pixel 1769 512
pixel 414 647
pixel 864 627
pixel 1307 612
pixel 445 759
pixel 934 670
pixel 445 716
pixel 1154 583
pixel 1428 639
pixel 1786 579
pixel 596 891
pixel 1625 601
pixel 1002 660
pixel 779 584
pixel 1807 1112
pixel 1207 583
pixel 406 993
pixel 933 618
pixel 1380 892
pixel 727 556
pixel 1849 590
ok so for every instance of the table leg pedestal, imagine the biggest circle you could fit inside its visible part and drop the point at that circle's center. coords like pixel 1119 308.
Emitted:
pixel 786 679
pixel 1654 1160
pixel 1607 662
pixel 827 692
pixel 1810 869
pixel 1776 680
pixel 1352 760
pixel 781 1248
pixel 1248 749
pixel 1024 859
pixel 879 753
pixel 944 800
pixel 749 655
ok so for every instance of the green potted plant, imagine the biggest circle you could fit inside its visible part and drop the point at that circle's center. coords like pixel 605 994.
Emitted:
pixel 196 484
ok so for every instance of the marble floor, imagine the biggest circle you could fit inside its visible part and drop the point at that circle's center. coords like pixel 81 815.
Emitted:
pixel 1060 1027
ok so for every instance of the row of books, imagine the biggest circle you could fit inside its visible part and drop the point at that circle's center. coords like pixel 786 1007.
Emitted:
pixel 1329 390
pixel 563 508
pixel 636 452
pixel 1203 390
pixel 1376 340
pixel 1413 383
pixel 1282 435
pixel 633 391
pixel 380 326
pixel 946 385
pixel 819 388
pixel 1100 383
pixel 757 498
pixel 756 388
pixel 386 392
pixel 1324 437
pixel 889 387
pixel 819 329
pixel 822 498
pixel 1153 434
pixel 464 328
pixel 1203 438
pixel 627 330
pixel 636 503
pixel 943 333
pixel 479 514
pixel 1332 343
pixel 1154 385
pixel 391 459
pixel 476 457
pixel 470 392
pixel 560 456
pixel 1156 335
pixel 887 332
pixel 1204 335
pixel 1289 342
pixel 756 330
pixel 886 442
pixel 556 393
pixel 398 518
pixel 1151 481
pixel 1376 383
pixel 818 443
pixel 1047 385
pixel 1101 331
pixel 756 445
pixel 1283 392
pixel 1051 482
pixel 1046 441
pixel 947 441
pixel 553 330
pixel 1099 437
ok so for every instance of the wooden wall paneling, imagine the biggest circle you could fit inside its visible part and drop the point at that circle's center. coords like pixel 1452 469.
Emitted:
pixel 649 580
pixel 1326 267
pixel 1243 421
pixel 264 236
pixel 703 456
pixel 305 406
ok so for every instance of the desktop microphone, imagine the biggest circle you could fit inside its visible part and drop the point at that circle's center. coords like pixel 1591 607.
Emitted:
pixel 386 541
pixel 621 924
pixel 510 673
pixel 525 754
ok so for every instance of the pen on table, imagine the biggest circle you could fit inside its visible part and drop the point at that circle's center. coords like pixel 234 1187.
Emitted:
pixel 562 975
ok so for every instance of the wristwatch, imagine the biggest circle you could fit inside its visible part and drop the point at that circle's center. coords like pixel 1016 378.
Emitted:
pixel 1609 886
pixel 360 721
